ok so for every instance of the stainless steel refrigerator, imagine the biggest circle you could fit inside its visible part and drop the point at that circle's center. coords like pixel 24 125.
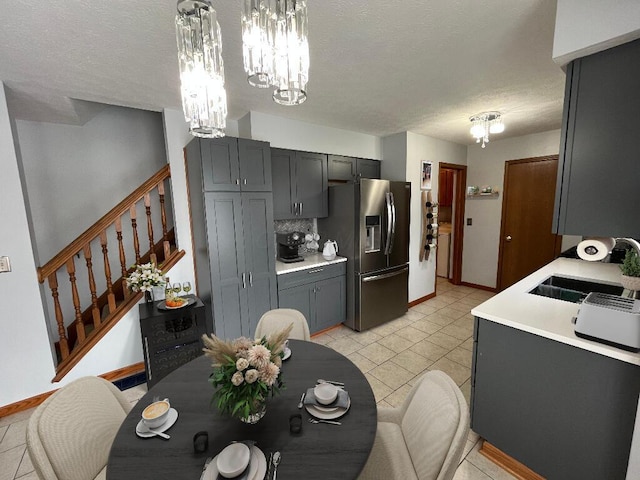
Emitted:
pixel 370 222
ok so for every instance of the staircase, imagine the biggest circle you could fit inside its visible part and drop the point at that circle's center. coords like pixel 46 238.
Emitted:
pixel 89 296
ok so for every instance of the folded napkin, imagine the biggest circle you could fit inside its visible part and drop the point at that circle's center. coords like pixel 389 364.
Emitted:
pixel 342 400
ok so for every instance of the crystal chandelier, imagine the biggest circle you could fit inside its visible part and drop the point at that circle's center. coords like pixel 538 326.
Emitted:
pixel 204 99
pixel 485 123
pixel 291 52
pixel 258 30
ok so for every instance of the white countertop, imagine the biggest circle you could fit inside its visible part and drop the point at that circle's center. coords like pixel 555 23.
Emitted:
pixel 310 261
pixel 549 317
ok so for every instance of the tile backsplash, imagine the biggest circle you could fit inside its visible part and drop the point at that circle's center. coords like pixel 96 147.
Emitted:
pixel 304 225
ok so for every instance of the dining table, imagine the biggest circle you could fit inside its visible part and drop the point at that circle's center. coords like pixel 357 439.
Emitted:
pixel 318 451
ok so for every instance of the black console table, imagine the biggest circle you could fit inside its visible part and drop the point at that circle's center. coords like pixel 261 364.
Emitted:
pixel 170 338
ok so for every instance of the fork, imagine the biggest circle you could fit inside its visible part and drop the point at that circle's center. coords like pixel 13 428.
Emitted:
pixel 330 422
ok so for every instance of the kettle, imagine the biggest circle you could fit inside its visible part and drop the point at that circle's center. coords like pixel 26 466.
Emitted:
pixel 330 250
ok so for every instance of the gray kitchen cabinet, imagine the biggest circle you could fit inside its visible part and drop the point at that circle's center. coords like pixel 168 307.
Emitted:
pixel 597 188
pixel 343 168
pixel 242 260
pixel 319 293
pixel 562 411
pixel 300 185
pixel 235 164
pixel 233 244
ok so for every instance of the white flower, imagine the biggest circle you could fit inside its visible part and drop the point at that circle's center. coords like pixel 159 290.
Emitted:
pixel 269 373
pixel 251 375
pixel 259 356
pixel 237 379
pixel 242 363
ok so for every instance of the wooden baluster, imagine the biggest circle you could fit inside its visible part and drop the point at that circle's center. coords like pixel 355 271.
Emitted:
pixel 123 258
pixel 95 310
pixel 163 216
pixel 64 344
pixel 147 208
pixel 107 272
pixel 134 227
pixel 71 270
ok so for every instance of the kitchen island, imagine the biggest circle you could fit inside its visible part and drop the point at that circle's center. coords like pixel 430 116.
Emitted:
pixel 561 405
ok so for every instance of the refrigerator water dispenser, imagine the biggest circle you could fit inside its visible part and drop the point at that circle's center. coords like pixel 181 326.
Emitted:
pixel 372 224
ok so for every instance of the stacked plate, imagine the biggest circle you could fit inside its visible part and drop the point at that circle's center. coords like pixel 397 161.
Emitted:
pixel 239 461
pixel 327 403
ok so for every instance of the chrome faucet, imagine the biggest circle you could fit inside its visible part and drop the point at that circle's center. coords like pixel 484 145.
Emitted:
pixel 630 241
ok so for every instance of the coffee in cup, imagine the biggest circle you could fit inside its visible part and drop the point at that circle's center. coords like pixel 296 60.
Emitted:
pixel 156 413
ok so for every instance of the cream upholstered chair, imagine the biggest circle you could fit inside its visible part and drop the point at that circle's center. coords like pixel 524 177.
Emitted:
pixel 424 438
pixel 279 319
pixel 69 435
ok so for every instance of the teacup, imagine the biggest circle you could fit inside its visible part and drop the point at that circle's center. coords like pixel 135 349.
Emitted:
pixel 156 413
pixel 325 393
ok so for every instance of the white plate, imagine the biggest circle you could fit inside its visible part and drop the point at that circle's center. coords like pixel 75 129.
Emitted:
pixel 143 431
pixel 337 413
pixel 257 468
pixel 287 353
pixel 163 305
pixel 322 408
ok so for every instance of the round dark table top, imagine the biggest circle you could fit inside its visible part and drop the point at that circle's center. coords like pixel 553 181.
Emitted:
pixel 320 451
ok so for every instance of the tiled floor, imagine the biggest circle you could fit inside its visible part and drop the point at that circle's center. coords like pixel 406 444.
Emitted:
pixel 434 335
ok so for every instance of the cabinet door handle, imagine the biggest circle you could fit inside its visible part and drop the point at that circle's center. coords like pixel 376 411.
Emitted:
pixel 316 270
pixel 237 181
pixel 244 285
pixel 300 208
pixel 244 181
pixel 250 279
pixel 146 352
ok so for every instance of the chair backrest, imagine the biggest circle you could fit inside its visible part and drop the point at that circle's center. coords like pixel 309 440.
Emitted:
pixel 280 318
pixel 69 435
pixel 435 426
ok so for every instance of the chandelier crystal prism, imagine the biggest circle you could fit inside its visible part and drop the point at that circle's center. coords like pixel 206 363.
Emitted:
pixel 204 99
pixel 485 123
pixel 291 52
pixel 258 30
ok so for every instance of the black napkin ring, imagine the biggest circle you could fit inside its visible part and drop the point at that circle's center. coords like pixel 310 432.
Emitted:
pixel 201 442
pixel 295 423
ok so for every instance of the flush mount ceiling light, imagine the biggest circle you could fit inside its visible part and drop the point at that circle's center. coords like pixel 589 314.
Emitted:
pixel 204 99
pixel 485 123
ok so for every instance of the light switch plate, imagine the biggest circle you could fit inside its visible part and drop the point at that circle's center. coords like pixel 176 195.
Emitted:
pixel 5 265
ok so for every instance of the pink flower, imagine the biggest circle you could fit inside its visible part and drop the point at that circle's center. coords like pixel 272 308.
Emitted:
pixel 237 379
pixel 269 373
pixel 251 375
pixel 242 363
pixel 242 346
pixel 259 356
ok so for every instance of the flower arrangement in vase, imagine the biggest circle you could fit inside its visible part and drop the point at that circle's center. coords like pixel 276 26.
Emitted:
pixel 144 277
pixel 245 372
pixel 630 278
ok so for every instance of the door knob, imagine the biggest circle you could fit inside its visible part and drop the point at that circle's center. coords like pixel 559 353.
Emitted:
pixel 508 239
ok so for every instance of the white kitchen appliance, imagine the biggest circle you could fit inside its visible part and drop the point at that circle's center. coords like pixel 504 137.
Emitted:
pixel 610 319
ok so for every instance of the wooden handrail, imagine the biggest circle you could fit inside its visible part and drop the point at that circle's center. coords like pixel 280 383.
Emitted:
pixel 107 220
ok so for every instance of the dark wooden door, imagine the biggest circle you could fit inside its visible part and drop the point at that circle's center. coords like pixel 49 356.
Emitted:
pixel 527 242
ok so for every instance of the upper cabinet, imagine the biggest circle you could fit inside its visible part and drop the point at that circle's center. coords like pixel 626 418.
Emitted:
pixel 598 177
pixel 349 168
pixel 235 164
pixel 300 185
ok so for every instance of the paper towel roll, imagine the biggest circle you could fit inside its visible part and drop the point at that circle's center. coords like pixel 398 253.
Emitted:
pixel 596 248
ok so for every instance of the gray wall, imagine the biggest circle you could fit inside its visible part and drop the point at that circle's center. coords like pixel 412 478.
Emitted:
pixel 76 174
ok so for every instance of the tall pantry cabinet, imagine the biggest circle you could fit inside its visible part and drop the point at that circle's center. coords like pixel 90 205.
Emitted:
pixel 231 203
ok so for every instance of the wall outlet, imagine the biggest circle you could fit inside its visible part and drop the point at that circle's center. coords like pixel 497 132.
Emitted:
pixel 5 265
pixel 469 221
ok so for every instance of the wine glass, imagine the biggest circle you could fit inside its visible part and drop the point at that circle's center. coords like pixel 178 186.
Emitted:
pixel 186 286
pixel 176 288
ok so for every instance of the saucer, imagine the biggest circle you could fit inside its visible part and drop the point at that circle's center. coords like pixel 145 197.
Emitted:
pixel 321 413
pixel 143 431
pixel 287 353
pixel 257 467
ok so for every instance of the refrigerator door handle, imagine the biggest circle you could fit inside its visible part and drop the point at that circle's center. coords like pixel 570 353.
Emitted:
pixel 373 278
pixel 387 240
pixel 393 222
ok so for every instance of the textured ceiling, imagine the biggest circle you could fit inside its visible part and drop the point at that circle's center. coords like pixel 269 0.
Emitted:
pixel 377 67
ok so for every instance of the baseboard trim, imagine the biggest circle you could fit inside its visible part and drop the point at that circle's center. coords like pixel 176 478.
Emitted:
pixel 422 299
pixel 32 402
pixel 480 287
pixel 508 463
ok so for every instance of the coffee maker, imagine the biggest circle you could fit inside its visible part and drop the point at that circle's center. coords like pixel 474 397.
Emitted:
pixel 288 244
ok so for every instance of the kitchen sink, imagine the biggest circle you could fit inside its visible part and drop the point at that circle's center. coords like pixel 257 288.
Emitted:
pixel 573 289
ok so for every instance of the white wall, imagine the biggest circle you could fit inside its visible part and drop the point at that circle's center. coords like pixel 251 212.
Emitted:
pixel 394 154
pixel 486 167
pixel 584 27
pixel 285 133
pixel 100 162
